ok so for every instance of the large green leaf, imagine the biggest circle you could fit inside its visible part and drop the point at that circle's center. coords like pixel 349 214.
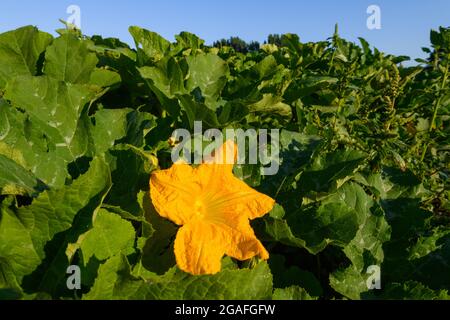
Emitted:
pixel 53 125
pixel 157 250
pixel 110 125
pixel 331 170
pixel 69 59
pixel 166 76
pixel 283 276
pixel 9 287
pixel 17 251
pixel 25 233
pixel 109 236
pixel 412 290
pixel 350 282
pixel 151 46
pixel 24 142
pixel 54 103
pixel 255 283
pixel 208 72
pixel 14 179
pixel 50 275
pixel 197 111
pixel 291 293
pixel 428 244
pixel 20 50
pixel 188 40
pixel 271 104
pixel 130 171
pixel 333 222
pixel 373 228
pixel 115 282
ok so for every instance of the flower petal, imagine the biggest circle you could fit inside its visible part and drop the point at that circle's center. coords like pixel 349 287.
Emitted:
pixel 225 156
pixel 172 192
pixel 242 243
pixel 228 193
pixel 199 248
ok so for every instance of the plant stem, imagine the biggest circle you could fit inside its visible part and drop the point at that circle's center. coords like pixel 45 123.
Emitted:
pixel 436 108
pixel 438 102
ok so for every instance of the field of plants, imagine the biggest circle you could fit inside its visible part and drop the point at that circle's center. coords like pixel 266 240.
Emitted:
pixel 362 190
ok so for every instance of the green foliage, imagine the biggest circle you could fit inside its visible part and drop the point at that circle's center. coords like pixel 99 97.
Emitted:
pixel 362 179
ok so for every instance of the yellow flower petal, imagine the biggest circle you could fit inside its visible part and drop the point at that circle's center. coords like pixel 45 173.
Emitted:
pixel 172 190
pixel 226 154
pixel 214 208
pixel 199 248
pixel 242 243
pixel 224 190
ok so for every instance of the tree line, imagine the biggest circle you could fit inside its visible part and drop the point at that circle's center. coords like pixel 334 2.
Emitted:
pixel 242 46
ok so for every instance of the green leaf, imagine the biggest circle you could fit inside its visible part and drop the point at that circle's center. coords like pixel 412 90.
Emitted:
pixel 393 183
pixel 9 287
pixel 295 152
pixel 109 236
pixel 151 46
pixel 130 172
pixel 157 250
pixel 413 290
pixel 54 103
pixel 17 251
pixel 266 67
pixel 23 141
pixel 279 230
pixel 309 85
pixel 291 293
pixel 52 126
pixel 277 212
pixel 69 59
pixel 208 72
pixel 110 125
pixel 249 173
pixel 166 76
pixel 20 50
pixel 188 40
pixel 314 228
pixel 287 276
pixel 425 269
pixel 197 111
pixel 14 179
pixel 427 244
pixel 331 170
pixel 271 104
pixel 333 222
pixel 248 284
pixel 373 228
pixel 115 282
pixel 138 125
pixel 104 78
pixel 25 233
pixel 350 282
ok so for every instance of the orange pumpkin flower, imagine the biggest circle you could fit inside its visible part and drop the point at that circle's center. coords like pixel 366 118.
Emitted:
pixel 213 207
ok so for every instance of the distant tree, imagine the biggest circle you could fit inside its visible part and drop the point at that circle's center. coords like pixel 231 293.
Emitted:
pixel 274 39
pixel 220 43
pixel 253 46
pixel 237 44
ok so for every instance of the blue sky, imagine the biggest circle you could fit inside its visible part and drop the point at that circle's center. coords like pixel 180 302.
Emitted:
pixel 405 24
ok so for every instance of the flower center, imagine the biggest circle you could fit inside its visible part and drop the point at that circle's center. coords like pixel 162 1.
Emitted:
pixel 199 208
